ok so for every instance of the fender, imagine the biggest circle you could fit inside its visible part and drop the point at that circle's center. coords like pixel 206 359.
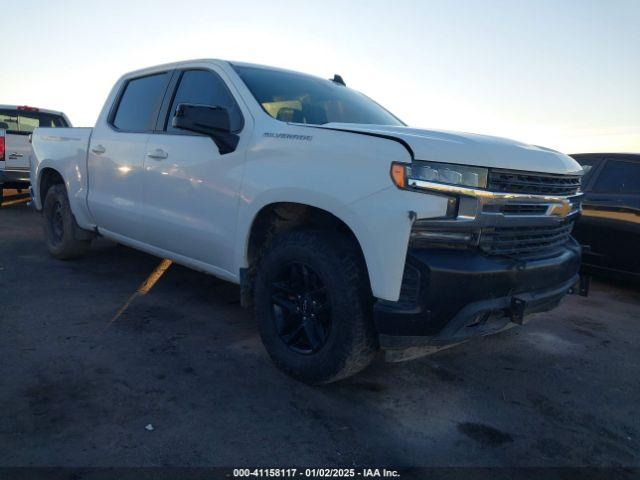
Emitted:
pixel 249 212
pixel 380 222
pixel 341 173
pixel 57 143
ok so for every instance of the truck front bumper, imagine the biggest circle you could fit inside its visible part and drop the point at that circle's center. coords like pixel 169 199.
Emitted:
pixel 449 296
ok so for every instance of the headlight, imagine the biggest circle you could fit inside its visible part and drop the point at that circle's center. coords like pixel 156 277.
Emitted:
pixel 446 173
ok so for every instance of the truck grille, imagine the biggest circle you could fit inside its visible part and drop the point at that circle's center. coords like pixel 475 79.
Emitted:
pixel 523 209
pixel 526 242
pixel 509 181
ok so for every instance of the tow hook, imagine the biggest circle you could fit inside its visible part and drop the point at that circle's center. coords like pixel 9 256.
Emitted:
pixel 517 309
pixel 582 286
pixel 518 305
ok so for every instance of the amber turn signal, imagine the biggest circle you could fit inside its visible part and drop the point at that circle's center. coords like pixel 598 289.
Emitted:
pixel 398 175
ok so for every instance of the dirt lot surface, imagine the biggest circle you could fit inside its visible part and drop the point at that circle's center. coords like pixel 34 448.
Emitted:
pixel 77 390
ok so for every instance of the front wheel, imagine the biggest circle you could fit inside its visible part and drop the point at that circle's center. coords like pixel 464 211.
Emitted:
pixel 59 226
pixel 313 305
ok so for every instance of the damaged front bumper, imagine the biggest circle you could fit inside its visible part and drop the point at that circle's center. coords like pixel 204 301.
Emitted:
pixel 450 296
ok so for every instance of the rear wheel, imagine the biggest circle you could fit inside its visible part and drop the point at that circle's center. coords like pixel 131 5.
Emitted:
pixel 59 226
pixel 313 305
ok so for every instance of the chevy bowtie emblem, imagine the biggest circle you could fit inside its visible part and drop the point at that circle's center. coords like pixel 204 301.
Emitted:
pixel 561 209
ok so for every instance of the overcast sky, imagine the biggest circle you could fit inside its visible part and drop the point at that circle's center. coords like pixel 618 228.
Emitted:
pixel 559 73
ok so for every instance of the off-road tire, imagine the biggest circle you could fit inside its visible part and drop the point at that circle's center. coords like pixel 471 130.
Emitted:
pixel 352 341
pixel 60 239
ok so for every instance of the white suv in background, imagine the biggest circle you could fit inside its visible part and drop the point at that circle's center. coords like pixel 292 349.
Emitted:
pixel 16 124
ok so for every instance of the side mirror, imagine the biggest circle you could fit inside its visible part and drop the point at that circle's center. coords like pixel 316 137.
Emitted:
pixel 212 121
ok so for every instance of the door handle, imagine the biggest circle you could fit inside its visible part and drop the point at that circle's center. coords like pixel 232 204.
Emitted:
pixel 14 155
pixel 98 149
pixel 157 154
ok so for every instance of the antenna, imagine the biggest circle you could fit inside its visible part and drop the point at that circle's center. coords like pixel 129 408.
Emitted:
pixel 338 79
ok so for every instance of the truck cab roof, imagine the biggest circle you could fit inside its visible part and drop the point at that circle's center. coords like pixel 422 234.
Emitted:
pixel 215 61
pixel 30 109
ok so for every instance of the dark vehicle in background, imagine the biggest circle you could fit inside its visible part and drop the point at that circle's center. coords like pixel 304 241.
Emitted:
pixel 610 222
pixel 16 124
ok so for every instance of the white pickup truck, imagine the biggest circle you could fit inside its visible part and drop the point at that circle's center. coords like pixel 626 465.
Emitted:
pixel 346 230
pixel 16 124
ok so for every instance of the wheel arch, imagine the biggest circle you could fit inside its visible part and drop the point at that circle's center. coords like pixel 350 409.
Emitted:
pixel 278 217
pixel 46 179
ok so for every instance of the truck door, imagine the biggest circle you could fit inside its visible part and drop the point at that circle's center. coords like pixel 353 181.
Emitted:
pixel 191 190
pixel 116 155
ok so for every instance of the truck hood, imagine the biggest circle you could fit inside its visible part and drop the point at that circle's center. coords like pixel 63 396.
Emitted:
pixel 469 148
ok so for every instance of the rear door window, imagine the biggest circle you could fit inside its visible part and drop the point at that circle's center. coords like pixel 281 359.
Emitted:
pixel 140 102
pixel 204 87
pixel 618 176
pixel 23 122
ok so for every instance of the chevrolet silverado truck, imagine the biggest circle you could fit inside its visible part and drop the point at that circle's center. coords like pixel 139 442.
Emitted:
pixel 16 124
pixel 347 231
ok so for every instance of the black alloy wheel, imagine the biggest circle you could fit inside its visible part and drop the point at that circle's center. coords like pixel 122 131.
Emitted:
pixel 60 227
pixel 57 224
pixel 313 305
pixel 301 308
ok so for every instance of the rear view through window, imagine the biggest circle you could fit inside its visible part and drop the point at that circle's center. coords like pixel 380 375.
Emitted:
pixel 140 102
pixel 619 177
pixel 298 98
pixel 23 122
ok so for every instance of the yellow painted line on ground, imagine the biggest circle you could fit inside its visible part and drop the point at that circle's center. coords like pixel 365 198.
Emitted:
pixel 15 202
pixel 144 288
pixel 154 277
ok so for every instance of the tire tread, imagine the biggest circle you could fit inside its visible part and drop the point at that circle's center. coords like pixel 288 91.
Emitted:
pixel 70 247
pixel 357 351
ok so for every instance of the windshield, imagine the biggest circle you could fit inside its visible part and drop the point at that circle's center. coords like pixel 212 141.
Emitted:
pixel 299 98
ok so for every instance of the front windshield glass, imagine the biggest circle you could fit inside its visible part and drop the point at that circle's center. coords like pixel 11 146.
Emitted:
pixel 299 98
